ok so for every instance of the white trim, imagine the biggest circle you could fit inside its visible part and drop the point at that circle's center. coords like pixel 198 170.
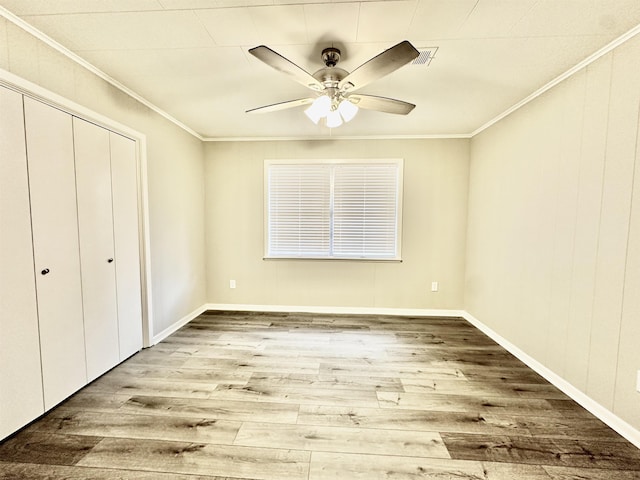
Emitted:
pixel 35 91
pixel 604 414
pixel 145 246
pixel 409 312
pixel 435 136
pixel 573 70
pixel 179 324
pixel 92 68
pixel 32 90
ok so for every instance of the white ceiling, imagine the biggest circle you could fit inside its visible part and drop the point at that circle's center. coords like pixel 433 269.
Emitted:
pixel 189 57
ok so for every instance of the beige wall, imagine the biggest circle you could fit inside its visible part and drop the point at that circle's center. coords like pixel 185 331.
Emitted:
pixel 175 169
pixel 434 210
pixel 553 257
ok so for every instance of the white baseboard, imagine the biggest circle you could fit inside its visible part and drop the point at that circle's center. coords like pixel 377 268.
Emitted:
pixel 604 414
pixel 411 312
pixel 179 324
pixel 416 312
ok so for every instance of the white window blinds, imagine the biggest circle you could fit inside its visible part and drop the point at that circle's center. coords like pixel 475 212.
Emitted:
pixel 299 210
pixel 333 210
pixel 365 211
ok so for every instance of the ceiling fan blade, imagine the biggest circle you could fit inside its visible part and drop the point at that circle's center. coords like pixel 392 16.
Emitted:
pixel 379 66
pixel 282 105
pixel 381 104
pixel 286 66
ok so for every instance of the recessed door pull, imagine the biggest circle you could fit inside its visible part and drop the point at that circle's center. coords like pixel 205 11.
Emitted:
pixel 45 271
pixel 110 260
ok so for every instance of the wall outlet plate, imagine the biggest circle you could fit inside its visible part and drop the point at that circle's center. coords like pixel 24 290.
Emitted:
pixel 434 286
pixel 232 284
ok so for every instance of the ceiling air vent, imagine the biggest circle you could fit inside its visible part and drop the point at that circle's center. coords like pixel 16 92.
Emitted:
pixel 425 57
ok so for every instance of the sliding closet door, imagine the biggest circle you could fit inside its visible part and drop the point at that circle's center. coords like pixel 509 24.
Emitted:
pixel 55 244
pixel 124 183
pixel 20 375
pixel 97 258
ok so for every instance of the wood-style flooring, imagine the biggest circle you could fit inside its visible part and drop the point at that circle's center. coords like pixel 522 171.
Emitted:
pixel 236 395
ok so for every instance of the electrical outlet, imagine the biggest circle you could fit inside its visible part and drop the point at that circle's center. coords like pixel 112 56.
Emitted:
pixel 434 286
pixel 232 284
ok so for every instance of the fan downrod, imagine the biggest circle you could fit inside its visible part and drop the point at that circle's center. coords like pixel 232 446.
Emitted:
pixel 331 56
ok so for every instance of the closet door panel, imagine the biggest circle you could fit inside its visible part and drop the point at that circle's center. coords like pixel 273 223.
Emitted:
pixel 20 375
pixel 97 259
pixel 124 182
pixel 56 251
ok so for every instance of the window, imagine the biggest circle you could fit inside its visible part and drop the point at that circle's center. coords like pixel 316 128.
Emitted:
pixel 333 209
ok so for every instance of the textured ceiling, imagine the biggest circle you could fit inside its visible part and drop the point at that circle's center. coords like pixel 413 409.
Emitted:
pixel 189 57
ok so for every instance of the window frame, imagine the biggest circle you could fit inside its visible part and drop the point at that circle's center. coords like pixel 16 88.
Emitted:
pixel 399 162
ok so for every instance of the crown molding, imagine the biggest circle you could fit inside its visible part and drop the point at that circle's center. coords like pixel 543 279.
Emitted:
pixel 27 27
pixel 346 137
pixel 573 70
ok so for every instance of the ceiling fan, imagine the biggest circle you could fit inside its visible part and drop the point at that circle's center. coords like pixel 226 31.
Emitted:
pixel 334 99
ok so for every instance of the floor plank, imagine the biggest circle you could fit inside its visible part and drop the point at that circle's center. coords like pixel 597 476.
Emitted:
pixel 340 439
pixel 218 409
pixel 479 388
pixel 100 402
pixel 463 403
pixel 151 386
pixel 330 382
pixel 416 420
pixel 201 430
pixel 47 448
pixel 161 372
pixel 543 451
pixel 514 471
pixel 254 365
pixel 199 459
pixel 34 471
pixel 398 371
pixel 568 427
pixel 573 473
pixel 297 395
pixel 332 466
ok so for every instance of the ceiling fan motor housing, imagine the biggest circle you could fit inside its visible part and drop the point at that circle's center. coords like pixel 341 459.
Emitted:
pixel 331 56
pixel 330 76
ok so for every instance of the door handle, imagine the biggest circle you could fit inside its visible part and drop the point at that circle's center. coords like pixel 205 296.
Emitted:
pixel 45 271
pixel 110 260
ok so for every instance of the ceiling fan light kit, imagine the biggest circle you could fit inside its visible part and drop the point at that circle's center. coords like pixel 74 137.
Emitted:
pixel 320 108
pixel 347 110
pixel 331 110
pixel 336 102
pixel 333 119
